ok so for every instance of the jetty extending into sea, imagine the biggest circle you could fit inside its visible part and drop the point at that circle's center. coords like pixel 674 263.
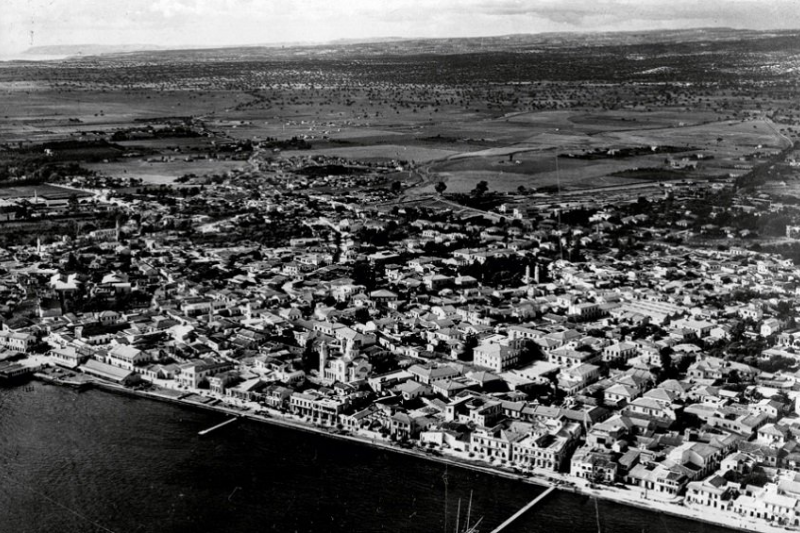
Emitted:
pixel 524 510
pixel 220 425
pixel 552 482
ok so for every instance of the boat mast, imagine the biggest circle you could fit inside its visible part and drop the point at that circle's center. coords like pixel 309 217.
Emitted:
pixel 597 513
pixel 458 516
pixel 444 477
pixel 474 528
pixel 469 509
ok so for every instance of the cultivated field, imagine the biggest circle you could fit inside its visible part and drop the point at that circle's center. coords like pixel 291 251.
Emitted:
pixel 379 152
pixel 574 117
pixel 158 172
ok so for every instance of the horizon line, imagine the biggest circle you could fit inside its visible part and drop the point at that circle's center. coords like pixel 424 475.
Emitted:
pixel 378 39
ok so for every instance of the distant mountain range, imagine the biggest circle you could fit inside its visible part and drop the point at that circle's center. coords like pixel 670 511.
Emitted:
pixel 411 46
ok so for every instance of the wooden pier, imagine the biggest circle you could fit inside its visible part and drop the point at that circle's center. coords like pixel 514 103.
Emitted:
pixel 209 430
pixel 524 510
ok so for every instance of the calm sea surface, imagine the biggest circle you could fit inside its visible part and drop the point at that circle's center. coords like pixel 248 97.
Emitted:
pixel 95 461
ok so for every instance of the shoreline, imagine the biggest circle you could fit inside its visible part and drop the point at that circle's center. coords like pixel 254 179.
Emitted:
pixel 603 493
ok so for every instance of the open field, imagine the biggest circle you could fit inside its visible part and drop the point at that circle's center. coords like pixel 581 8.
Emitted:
pixel 723 148
pixel 380 152
pixel 195 143
pixel 708 115
pixel 726 135
pixel 42 191
pixel 158 172
pixel 34 115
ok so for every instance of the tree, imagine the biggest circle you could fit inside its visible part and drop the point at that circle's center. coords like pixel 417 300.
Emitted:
pixel 470 343
pixel 362 315
pixel 480 189
pixel 440 187
pixel 782 397
pixel 599 396
pixel 363 273
pixel 776 363
pixel 665 354
pixel 530 352
pixel 310 357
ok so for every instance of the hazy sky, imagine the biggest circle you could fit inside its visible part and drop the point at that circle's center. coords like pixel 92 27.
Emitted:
pixel 222 22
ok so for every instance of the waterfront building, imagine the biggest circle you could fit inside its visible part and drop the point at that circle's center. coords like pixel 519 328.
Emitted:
pixel 17 342
pixel 111 373
pixel 317 407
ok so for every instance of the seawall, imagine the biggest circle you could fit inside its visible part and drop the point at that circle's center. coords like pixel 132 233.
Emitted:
pixel 603 493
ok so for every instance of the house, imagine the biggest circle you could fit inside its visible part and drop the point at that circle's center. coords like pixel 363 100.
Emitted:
pixel 383 297
pixel 220 382
pixel 402 426
pixel 247 390
pixel 620 351
pixel 429 375
pixel 770 326
pixel 49 308
pixel 566 358
pixel 493 443
pixel 573 379
pixel 16 342
pixel 620 394
pixel 276 396
pixel 596 466
pixel 69 356
pixel 127 357
pixel 700 328
pixel 584 311
pixel 192 373
pixel 702 458
pixel 651 409
pixel 546 449
pixel 412 389
pixel 317 407
pixel 772 435
pixel 496 356
pixel 449 388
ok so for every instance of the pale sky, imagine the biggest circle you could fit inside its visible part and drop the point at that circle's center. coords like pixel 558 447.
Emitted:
pixel 24 23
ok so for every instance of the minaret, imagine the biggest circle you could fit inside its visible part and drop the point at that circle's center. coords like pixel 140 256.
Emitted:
pixel 349 349
pixel 536 275
pixel 527 279
pixel 323 359
pixel 38 246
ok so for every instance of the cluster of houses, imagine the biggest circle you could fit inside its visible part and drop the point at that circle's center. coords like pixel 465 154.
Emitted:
pixel 670 369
